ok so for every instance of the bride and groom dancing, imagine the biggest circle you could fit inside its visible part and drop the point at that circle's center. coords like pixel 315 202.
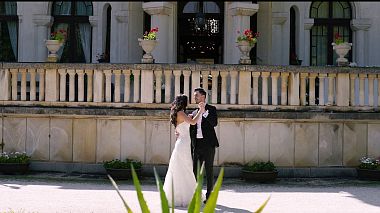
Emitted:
pixel 196 141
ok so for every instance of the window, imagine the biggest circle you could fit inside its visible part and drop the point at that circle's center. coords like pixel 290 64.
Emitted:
pixel 8 31
pixel 329 18
pixel 73 17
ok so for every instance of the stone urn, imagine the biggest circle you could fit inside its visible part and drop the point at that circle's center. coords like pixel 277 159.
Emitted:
pixel 342 50
pixel 148 46
pixel 53 47
pixel 245 48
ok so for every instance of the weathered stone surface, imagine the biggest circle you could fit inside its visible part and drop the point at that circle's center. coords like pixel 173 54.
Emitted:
pixel 355 143
pixel 281 144
pixel 306 144
pixel 330 144
pixel 37 138
pixel 14 134
pixel 157 142
pixel 61 143
pixel 256 141
pixel 84 140
pixel 231 142
pixel 373 140
pixel 133 139
pixel 108 140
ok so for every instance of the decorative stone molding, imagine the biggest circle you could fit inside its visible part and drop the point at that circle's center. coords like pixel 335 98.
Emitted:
pixel 42 20
pixel 243 9
pixel 279 18
pixel 93 20
pixel 308 24
pixel 360 24
pixel 122 16
pixel 158 8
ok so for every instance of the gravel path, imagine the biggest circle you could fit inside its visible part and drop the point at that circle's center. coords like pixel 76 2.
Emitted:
pixel 59 193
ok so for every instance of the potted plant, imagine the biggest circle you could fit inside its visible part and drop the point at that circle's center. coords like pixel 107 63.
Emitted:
pixel 369 169
pixel 260 171
pixel 121 170
pixel 55 42
pixel 246 42
pixel 148 43
pixel 341 49
pixel 14 163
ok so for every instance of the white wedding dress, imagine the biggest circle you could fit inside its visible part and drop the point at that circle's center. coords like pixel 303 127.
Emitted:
pixel 180 170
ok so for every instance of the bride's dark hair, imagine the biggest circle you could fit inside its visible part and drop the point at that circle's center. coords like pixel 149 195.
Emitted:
pixel 180 103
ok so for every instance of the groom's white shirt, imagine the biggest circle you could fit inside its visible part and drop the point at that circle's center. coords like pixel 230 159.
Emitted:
pixel 199 123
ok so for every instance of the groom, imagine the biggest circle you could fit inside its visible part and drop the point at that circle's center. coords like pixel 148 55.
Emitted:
pixel 203 139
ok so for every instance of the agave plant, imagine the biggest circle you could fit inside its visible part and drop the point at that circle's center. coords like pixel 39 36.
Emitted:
pixel 196 202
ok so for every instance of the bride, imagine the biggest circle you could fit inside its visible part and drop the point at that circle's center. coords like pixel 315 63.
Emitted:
pixel 180 172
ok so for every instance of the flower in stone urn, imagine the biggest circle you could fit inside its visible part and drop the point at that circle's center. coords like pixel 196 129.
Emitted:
pixel 148 43
pixel 341 48
pixel 246 42
pixel 54 43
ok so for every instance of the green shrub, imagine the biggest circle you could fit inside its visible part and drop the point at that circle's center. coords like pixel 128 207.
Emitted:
pixel 369 163
pixel 260 166
pixel 14 157
pixel 118 164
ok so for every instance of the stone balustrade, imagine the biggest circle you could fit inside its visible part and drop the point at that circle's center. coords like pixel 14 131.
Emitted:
pixel 159 83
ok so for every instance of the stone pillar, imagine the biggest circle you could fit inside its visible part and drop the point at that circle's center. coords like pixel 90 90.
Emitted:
pixel 5 85
pixel 312 77
pixel 89 74
pixel 147 95
pixel 117 74
pixel 42 23
pixel 96 41
pixel 240 12
pixel 294 84
pixel 255 88
pixel 279 43
pixel 361 88
pixel 98 86
pixel 80 74
pixel 168 82
pixel 136 86
pixel 308 24
pixel 360 27
pixel 371 92
pixel 52 86
pixel 23 84
pixel 127 85
pixel 32 93
pixel 14 73
pixel 195 82
pixel 214 94
pixel 71 85
pixel 62 84
pixel 223 75
pixel 352 89
pixel 274 76
pixel 343 89
pixel 303 88
pixel 330 98
pixel 108 76
pixel 205 74
pixel 177 83
pixel 186 83
pixel 244 93
pixel 158 75
pixel 163 16
pixel 322 77
pixel 264 76
pixel 41 73
pixel 233 74
pixel 284 87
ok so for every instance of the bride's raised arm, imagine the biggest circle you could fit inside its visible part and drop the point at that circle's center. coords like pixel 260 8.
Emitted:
pixel 193 120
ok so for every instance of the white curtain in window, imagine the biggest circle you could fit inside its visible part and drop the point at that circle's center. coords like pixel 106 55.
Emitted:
pixel 85 37
pixel 11 9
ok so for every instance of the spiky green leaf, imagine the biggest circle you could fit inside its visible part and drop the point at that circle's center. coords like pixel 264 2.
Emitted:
pixel 118 192
pixel 211 201
pixel 196 201
pixel 140 196
pixel 160 188
pixel 262 206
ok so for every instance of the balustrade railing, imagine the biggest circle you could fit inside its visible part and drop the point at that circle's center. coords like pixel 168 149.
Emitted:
pixel 159 83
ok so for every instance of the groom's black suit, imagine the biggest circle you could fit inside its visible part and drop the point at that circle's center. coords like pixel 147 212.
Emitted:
pixel 204 149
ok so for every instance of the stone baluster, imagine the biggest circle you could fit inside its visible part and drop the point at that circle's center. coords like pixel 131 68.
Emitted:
pixel 177 82
pixel 41 74
pixel 71 85
pixel 244 92
pixel 233 74
pixel 168 82
pixel 89 74
pixel 274 76
pixel 371 78
pixel 186 81
pixel 312 77
pixel 205 74
pixel 62 84
pixel 147 90
pixel 52 85
pixel 32 92
pixel 342 89
pixel 303 88
pixel 80 74
pixel 14 73
pixel 264 76
pixel 98 86
pixel 117 74
pixel 284 87
pixel 378 90
pixel 223 75
pixel 195 82
pixel 158 75
pixel 23 84
pixel 255 88
pixel 214 89
pixel 330 99
pixel 294 89
pixel 127 85
pixel 361 88
pixel 136 86
pixel 108 75
pixel 352 89
pixel 5 85
pixel 321 78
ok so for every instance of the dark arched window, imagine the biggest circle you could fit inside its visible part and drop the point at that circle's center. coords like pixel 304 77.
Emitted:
pixel 330 17
pixel 8 31
pixel 73 17
pixel 200 31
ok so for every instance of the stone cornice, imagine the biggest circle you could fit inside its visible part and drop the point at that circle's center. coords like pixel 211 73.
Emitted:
pixel 308 23
pixel 243 9
pixel 158 8
pixel 361 24
pixel 42 20
pixel 279 18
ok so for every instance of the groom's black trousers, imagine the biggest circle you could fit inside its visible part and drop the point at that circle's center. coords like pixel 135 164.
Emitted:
pixel 204 152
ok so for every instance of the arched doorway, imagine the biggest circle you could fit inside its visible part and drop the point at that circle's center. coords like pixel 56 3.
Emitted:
pixel 8 31
pixel 200 32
